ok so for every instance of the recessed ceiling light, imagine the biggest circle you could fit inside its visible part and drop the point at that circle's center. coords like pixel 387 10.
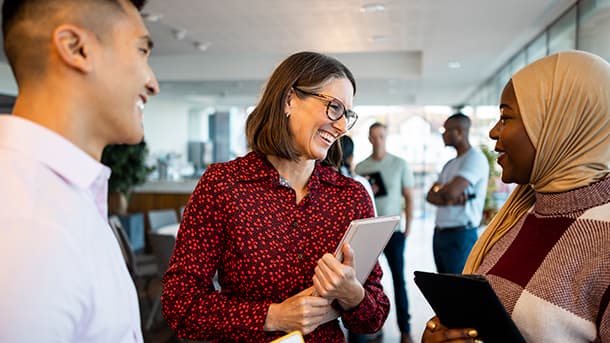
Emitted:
pixel 372 7
pixel 202 46
pixel 152 17
pixel 379 38
pixel 454 65
pixel 179 34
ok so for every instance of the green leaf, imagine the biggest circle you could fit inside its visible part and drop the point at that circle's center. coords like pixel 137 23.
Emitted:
pixel 128 164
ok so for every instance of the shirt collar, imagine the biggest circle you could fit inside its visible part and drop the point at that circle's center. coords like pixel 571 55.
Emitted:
pixel 53 150
pixel 255 166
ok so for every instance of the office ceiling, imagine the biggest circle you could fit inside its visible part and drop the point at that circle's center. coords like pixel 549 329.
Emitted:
pixel 399 55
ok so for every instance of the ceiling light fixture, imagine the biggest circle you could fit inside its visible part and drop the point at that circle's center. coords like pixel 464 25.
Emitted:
pixel 372 7
pixel 379 38
pixel 454 65
pixel 179 34
pixel 202 46
pixel 152 17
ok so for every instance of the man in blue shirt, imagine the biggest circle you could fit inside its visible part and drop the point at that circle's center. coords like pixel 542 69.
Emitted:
pixel 459 194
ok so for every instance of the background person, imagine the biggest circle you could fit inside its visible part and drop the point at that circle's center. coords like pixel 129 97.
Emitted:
pixel 398 181
pixel 267 222
pixel 459 193
pixel 346 169
pixel 83 78
pixel 347 165
pixel 547 252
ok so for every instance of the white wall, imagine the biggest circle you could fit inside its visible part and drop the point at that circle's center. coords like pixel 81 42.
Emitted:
pixel 166 126
pixel 8 85
pixel 165 121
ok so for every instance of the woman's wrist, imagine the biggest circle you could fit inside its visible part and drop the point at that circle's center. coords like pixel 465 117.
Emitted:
pixel 354 300
pixel 269 322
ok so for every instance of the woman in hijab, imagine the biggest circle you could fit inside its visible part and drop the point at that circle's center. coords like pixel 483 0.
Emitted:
pixel 547 252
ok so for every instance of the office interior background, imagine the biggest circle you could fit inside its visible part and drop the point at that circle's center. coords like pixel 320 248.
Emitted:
pixel 415 62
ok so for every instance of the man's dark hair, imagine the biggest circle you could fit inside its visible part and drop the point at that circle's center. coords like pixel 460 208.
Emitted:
pixel 376 125
pixel 462 119
pixel 27 25
pixel 13 10
pixel 347 146
pixel 267 126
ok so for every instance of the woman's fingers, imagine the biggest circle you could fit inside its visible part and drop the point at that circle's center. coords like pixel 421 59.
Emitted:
pixel 327 277
pixel 436 332
pixel 300 312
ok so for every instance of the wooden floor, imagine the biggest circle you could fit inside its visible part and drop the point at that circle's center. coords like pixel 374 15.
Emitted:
pixel 418 257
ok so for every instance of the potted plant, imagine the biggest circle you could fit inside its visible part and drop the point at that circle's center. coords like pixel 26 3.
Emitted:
pixel 490 207
pixel 129 169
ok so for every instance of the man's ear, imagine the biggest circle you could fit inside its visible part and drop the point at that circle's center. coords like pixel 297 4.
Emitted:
pixel 73 46
pixel 461 132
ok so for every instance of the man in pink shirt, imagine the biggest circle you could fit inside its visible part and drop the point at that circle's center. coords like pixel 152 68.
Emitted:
pixel 83 77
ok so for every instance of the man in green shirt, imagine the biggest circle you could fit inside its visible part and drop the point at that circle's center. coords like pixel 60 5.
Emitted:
pixel 392 181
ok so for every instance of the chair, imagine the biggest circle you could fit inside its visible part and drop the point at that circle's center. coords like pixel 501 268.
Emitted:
pixel 115 225
pixel 162 247
pixel 141 267
pixel 160 218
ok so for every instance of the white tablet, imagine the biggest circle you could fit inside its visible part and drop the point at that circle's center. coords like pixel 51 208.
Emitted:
pixel 367 237
pixel 293 337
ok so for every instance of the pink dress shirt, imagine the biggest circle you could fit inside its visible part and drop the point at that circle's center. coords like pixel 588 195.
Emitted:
pixel 62 273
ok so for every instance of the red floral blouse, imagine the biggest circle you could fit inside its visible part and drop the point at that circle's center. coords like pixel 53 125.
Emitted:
pixel 243 222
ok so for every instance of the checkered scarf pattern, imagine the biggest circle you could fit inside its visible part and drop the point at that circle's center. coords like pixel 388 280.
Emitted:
pixel 552 269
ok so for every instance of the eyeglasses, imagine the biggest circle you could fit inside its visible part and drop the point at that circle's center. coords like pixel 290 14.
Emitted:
pixel 334 109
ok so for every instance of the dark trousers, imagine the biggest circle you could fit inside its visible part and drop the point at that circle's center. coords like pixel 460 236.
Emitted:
pixel 394 252
pixel 451 249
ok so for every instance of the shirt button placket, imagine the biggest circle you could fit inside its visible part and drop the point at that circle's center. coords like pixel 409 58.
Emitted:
pixel 295 225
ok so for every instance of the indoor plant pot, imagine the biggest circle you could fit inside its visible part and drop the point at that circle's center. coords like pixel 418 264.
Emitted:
pixel 129 169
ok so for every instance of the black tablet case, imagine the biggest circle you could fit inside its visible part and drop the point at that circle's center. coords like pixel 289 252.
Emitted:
pixel 376 179
pixel 468 301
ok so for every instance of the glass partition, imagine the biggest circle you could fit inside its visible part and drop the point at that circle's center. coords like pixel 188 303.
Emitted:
pixel 584 26
pixel 594 29
pixel 562 34
pixel 537 49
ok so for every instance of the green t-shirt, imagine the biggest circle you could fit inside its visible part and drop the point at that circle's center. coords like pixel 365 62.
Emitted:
pixel 395 174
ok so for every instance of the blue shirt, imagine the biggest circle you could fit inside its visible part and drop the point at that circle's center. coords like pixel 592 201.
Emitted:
pixel 473 167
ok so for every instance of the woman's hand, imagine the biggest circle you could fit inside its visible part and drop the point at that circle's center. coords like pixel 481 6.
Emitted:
pixel 336 280
pixel 437 332
pixel 302 312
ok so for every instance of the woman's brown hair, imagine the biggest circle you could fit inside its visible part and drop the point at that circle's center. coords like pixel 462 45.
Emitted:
pixel 267 126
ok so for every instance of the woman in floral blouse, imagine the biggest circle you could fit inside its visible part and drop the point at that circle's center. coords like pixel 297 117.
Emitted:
pixel 269 221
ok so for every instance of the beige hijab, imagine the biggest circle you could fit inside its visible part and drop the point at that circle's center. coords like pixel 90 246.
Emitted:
pixel 564 101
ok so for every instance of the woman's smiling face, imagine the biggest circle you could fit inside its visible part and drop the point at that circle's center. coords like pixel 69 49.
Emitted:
pixel 312 131
pixel 516 150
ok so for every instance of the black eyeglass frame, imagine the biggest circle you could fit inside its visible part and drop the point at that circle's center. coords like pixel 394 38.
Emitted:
pixel 348 114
